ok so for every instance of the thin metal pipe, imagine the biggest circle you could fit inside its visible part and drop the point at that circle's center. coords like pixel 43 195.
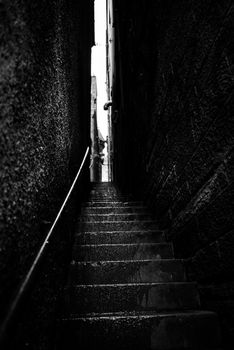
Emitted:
pixel 26 281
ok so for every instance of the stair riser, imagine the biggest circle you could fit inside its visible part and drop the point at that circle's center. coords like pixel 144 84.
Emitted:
pixel 127 272
pixel 114 217
pixel 191 331
pixel 116 226
pixel 132 298
pixel 122 252
pixel 120 237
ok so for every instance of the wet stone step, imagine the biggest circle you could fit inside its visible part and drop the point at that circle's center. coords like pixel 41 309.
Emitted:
pixel 105 190
pixel 110 197
pixel 117 226
pixel 159 331
pixel 140 251
pixel 114 217
pixel 111 203
pixel 132 271
pixel 129 297
pixel 102 184
pixel 113 210
pixel 117 237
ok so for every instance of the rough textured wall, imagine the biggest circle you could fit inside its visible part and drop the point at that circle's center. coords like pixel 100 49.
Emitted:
pixel 132 94
pixel 178 75
pixel 44 125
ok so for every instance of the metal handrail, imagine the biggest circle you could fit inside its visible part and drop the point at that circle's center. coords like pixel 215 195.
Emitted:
pixel 36 261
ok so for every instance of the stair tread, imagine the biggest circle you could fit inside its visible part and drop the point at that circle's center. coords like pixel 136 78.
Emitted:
pixel 111 203
pixel 119 221
pixel 146 284
pixel 124 245
pixel 131 297
pixel 133 251
pixel 120 236
pixel 114 201
pixel 144 330
pixel 98 222
pixel 124 271
pixel 125 207
pixel 141 314
pixel 112 210
pixel 143 231
pixel 105 262
pixel 123 214
pixel 119 225
pixel 115 217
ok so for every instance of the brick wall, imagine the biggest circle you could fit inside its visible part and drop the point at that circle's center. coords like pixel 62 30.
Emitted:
pixel 44 129
pixel 178 78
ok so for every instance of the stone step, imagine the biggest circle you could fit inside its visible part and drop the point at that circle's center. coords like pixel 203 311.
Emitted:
pixel 103 184
pixel 127 271
pixel 112 252
pixel 108 195
pixel 142 331
pixel 114 217
pixel 132 297
pixel 117 237
pixel 97 226
pixel 106 184
pixel 109 199
pixel 104 190
pixel 113 210
pixel 112 203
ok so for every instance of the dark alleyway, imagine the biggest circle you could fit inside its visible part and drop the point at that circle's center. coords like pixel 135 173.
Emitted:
pixel 170 77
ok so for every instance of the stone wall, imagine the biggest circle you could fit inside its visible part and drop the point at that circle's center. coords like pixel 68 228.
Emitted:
pixel 176 75
pixel 44 125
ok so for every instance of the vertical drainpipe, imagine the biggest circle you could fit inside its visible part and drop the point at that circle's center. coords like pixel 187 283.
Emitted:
pixel 111 72
pixel 95 163
pixel 120 115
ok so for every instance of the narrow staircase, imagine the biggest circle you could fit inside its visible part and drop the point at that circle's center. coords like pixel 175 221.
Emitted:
pixel 126 290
